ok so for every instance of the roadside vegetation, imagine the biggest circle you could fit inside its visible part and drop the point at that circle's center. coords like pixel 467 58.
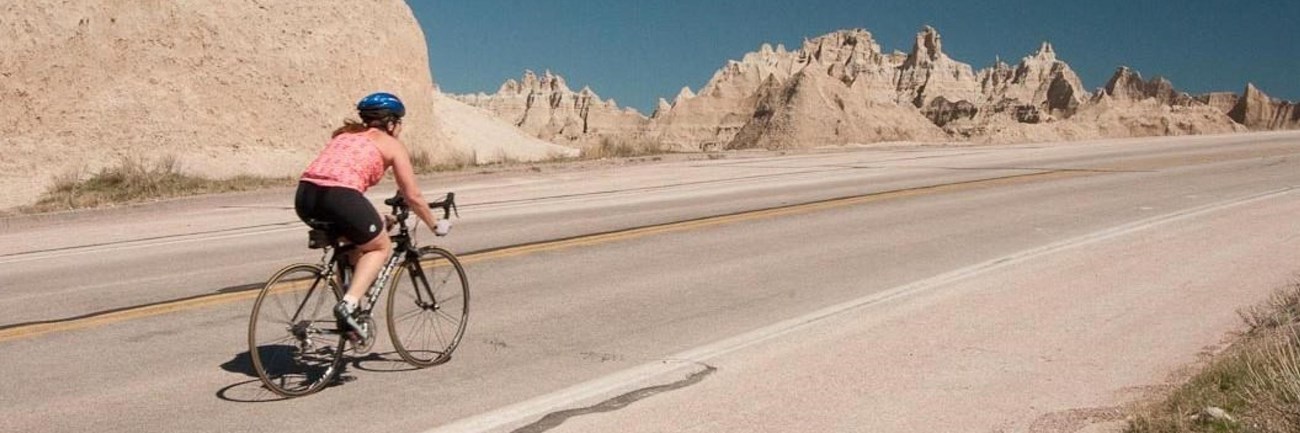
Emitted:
pixel 1253 386
pixel 610 147
pixel 633 150
pixel 424 163
pixel 134 180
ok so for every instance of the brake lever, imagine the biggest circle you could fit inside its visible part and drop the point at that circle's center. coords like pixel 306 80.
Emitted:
pixel 450 206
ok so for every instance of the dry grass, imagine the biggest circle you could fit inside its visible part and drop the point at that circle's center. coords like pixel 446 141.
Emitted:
pixel 610 147
pixel 1256 380
pixel 136 179
pixel 424 163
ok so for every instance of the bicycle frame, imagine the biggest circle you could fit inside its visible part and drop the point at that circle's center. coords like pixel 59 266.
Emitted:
pixel 314 334
pixel 403 252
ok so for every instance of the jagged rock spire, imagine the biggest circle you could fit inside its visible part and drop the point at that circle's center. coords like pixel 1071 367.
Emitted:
pixel 1127 85
pixel 683 95
pixel 545 107
pixel 928 46
pixel 1046 52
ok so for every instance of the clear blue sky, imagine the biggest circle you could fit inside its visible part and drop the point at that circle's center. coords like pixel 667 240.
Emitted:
pixel 638 51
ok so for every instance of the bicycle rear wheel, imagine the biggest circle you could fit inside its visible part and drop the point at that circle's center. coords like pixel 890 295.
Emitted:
pixel 428 307
pixel 293 340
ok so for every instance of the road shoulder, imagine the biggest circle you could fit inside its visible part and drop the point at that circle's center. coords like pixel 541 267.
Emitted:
pixel 1055 344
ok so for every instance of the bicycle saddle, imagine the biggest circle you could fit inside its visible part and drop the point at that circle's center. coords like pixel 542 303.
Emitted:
pixel 322 234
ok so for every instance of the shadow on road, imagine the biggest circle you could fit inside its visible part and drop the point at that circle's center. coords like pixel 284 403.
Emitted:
pixel 249 391
pixel 253 391
pixel 243 363
pixel 388 362
pixel 241 288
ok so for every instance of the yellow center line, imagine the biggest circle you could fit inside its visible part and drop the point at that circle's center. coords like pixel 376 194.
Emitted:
pixel 37 329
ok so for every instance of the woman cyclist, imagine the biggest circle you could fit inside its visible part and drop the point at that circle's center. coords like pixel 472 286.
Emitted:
pixel 331 189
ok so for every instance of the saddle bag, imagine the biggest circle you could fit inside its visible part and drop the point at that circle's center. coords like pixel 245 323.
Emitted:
pixel 317 239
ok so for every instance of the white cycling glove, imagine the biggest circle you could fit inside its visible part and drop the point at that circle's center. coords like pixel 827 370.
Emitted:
pixel 442 227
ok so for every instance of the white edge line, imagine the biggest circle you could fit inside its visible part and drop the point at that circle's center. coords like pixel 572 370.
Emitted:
pixel 668 370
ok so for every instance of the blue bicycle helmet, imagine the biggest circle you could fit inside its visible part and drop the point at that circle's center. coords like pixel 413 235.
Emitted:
pixel 381 105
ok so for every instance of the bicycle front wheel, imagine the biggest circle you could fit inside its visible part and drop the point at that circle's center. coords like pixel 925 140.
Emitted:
pixel 428 307
pixel 293 340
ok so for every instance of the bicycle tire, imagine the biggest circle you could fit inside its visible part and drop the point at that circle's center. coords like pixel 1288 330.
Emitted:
pixel 300 352
pixel 426 333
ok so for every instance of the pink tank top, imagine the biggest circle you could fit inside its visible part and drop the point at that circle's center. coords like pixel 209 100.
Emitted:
pixel 349 161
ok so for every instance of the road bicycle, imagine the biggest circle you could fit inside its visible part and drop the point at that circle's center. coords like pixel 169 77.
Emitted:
pixel 295 343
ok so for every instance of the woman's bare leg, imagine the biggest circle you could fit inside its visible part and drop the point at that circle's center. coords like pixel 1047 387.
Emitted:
pixel 367 260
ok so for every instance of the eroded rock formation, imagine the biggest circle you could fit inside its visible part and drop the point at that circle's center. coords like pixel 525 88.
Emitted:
pixel 1128 85
pixel 547 108
pixel 1129 106
pixel 711 118
pixel 478 137
pixel 929 73
pixel 1039 80
pixel 1222 101
pixel 748 94
pixel 1258 111
pixel 842 88
pixel 763 100
pixel 815 108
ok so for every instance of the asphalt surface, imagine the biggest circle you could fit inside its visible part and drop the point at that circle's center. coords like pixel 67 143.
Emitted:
pixel 794 276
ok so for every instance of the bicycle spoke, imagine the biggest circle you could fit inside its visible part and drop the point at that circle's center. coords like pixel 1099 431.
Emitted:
pixel 427 329
pixel 407 315
pixel 426 311
pixel 437 331
pixel 297 352
pixel 450 299
pixel 408 298
pixel 284 313
pixel 410 333
pixel 427 335
pixel 322 302
pixel 283 339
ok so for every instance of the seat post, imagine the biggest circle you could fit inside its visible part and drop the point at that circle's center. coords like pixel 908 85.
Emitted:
pixel 341 261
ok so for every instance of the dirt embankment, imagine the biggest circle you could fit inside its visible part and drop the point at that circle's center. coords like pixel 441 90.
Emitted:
pixel 227 88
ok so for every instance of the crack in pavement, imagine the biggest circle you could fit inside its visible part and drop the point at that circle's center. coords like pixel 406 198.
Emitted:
pixel 554 419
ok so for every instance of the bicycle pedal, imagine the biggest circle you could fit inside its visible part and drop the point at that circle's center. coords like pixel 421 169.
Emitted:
pixel 353 337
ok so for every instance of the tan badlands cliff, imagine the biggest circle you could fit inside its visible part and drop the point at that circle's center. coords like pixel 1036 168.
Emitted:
pixel 842 88
pixel 228 87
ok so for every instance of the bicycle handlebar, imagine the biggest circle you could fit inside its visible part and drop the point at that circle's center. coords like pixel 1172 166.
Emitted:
pixel 447 204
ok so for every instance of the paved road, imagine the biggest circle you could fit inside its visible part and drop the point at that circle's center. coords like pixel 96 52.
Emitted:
pixel 906 289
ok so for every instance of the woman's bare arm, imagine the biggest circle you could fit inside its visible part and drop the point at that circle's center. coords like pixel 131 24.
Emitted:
pixel 406 181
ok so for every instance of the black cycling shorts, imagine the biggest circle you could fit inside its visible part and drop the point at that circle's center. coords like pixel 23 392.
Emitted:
pixel 352 215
